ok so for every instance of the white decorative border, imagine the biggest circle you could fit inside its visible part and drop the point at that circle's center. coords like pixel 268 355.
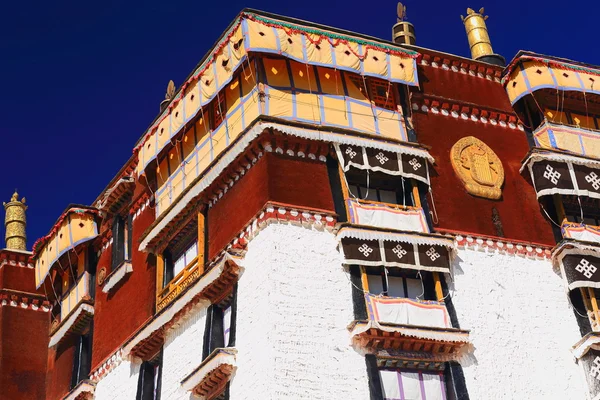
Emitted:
pixel 467 117
pixel 117 275
pixel 462 70
pixel 499 246
pixel 226 357
pixel 62 331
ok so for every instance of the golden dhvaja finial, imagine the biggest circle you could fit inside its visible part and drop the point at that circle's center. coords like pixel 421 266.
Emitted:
pixel 477 33
pixel 15 223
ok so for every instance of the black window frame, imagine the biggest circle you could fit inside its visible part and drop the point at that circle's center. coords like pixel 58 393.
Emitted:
pixel 122 232
pixel 146 389
pixel 425 277
pixel 378 182
pixel 214 334
pixel 82 358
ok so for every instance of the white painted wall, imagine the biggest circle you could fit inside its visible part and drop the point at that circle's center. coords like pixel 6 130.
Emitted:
pixel 521 325
pixel 120 383
pixel 182 352
pixel 294 303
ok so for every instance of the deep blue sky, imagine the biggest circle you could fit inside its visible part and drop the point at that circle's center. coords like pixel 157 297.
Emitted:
pixel 82 80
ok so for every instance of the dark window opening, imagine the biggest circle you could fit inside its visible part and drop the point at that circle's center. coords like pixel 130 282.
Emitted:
pixel 82 359
pixel 397 282
pixel 149 380
pixel 122 240
pixel 220 325
pixel 377 186
pixel 588 212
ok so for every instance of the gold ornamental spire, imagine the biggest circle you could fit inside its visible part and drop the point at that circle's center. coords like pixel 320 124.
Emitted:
pixel 15 223
pixel 477 33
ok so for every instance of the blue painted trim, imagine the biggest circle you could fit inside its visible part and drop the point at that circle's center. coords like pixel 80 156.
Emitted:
pixel 277 40
pixel 304 48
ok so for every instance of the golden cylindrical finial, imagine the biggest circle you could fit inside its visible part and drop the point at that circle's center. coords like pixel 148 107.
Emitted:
pixel 477 33
pixel 15 223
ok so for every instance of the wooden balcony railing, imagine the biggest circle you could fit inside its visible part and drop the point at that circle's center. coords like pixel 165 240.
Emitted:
pixel 190 274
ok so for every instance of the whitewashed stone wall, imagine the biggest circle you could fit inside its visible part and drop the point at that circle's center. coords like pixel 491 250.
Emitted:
pixel 521 325
pixel 182 352
pixel 120 383
pixel 294 303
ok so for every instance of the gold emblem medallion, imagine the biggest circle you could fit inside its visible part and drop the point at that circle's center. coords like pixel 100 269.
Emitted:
pixel 478 167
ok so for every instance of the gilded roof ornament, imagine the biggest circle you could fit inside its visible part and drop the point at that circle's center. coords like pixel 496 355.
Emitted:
pixel 15 222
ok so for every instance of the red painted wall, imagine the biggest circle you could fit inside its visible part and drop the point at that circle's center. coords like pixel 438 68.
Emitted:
pixel 60 368
pixel 456 209
pixel 23 351
pixel 463 87
pixel 298 182
pixel 119 313
pixel 18 278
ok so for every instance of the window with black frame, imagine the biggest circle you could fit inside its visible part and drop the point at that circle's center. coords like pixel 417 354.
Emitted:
pixel 220 325
pixel 180 257
pixel 149 380
pixel 82 358
pixel 379 187
pixel 397 282
pixel 122 240
pixel 584 210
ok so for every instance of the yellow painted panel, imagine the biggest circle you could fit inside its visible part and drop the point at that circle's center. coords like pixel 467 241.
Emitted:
pixel 261 36
pixel 53 248
pixel 174 158
pixel 335 111
pixel 556 116
pixel 82 227
pixel 280 103
pixel 402 68
pixel 544 140
pixel 566 141
pixel 277 73
pixel 149 151
pixel 331 81
pixel 291 45
pixel 319 53
pixel 345 56
pixel 176 118
pixel 538 74
pixel 224 65
pixel 590 82
pixel 356 87
pixel 219 140
pixel 303 76
pixel 376 63
pixel 192 99
pixel 591 145
pixel 208 85
pixel 163 133
pixel 232 94
pixel 583 121
pixel 177 183
pixel 188 143
pixel 516 85
pixel 236 44
pixel 64 239
pixel 164 200
pixel 248 78
pixel 362 118
pixel 389 125
pixel 162 171
pixel 204 152
pixel 251 111
pixel 189 168
pixel 234 123
pixel 566 78
pixel 307 107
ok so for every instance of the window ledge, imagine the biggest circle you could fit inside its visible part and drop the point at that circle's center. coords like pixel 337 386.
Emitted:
pixel 209 379
pixel 413 338
pixel 75 322
pixel 117 276
pixel 83 391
